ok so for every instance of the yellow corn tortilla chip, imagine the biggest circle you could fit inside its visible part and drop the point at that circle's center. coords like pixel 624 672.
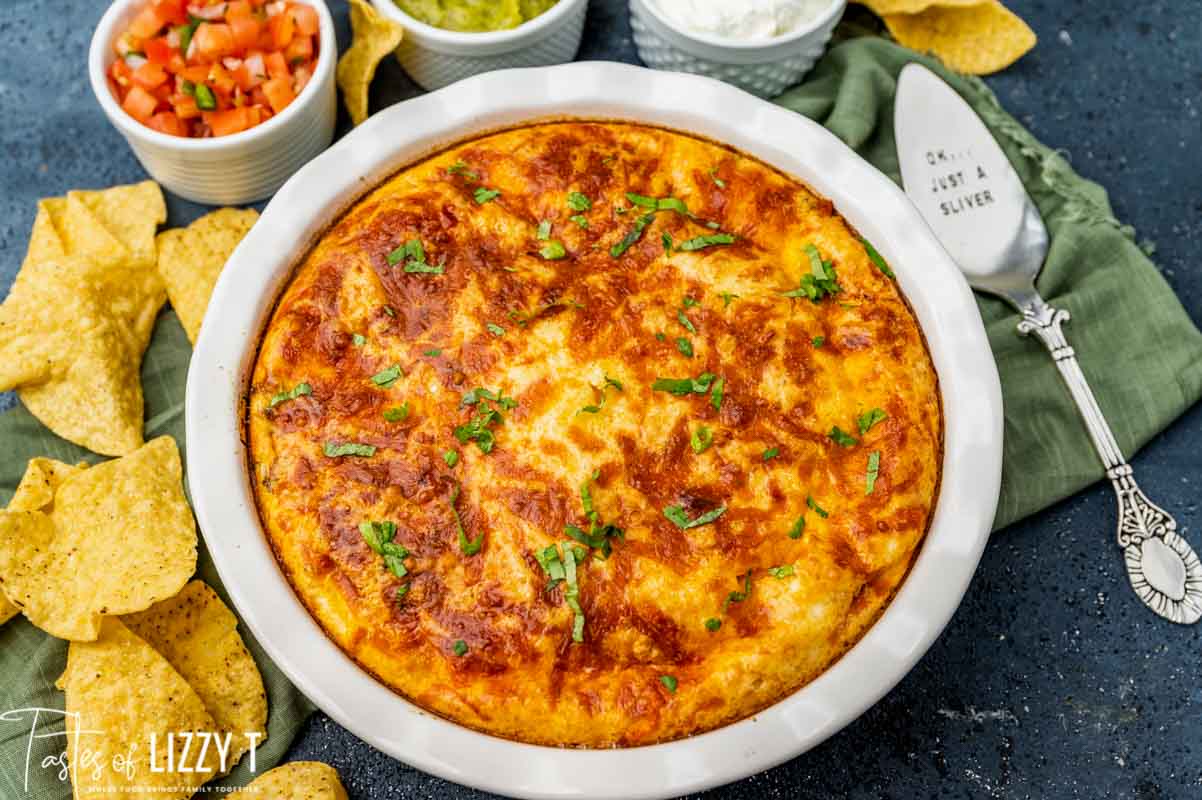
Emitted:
pixel 191 259
pixel 80 315
pixel 884 7
pixel 198 635
pixel 125 692
pixel 374 37
pixel 298 780
pixel 118 538
pixel 977 40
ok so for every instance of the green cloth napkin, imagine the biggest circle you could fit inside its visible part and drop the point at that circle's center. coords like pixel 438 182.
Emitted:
pixel 31 661
pixel 1138 347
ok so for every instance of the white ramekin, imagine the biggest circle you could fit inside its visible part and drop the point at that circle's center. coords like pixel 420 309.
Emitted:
pixel 225 170
pixel 435 58
pixel 763 67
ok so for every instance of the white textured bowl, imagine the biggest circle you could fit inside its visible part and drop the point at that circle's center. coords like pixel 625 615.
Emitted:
pixel 763 67
pixel 225 170
pixel 435 58
pixel 409 131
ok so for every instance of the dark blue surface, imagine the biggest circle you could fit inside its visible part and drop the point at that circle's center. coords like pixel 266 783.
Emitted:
pixel 1052 681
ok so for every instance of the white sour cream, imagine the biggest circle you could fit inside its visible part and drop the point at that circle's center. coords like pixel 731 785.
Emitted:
pixel 742 19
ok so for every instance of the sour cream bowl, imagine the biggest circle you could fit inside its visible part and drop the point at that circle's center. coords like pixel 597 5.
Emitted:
pixel 763 66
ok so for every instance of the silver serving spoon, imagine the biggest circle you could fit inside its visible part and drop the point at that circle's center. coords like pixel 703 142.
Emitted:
pixel 973 200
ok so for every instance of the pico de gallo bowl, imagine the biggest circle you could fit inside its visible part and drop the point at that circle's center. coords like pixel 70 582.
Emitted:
pixel 211 68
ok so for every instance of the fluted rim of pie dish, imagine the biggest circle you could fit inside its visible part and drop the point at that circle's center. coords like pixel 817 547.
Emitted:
pixel 317 195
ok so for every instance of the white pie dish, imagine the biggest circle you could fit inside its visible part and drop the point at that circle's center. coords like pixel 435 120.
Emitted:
pixel 313 199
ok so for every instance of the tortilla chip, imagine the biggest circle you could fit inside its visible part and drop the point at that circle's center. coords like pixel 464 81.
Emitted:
pixel 80 315
pixel 198 635
pixel 119 687
pixel 299 780
pixel 374 38
pixel 118 538
pixel 191 259
pixel 883 7
pixel 977 40
pixel 35 492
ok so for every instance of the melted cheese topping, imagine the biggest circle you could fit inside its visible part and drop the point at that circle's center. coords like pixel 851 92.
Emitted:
pixel 486 638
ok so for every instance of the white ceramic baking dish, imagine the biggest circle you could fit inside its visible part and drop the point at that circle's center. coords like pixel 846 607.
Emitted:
pixel 313 199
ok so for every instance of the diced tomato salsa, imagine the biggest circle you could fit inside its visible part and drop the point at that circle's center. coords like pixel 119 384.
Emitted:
pixel 213 67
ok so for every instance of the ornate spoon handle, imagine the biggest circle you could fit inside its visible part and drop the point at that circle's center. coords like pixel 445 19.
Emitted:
pixel 1163 568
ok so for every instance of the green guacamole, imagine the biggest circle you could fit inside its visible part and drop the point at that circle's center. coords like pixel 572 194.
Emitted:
pixel 474 16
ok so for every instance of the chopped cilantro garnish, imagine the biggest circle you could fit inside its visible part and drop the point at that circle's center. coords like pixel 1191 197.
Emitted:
pixel 633 236
pixel 495 329
pixel 460 168
pixel 387 377
pixel 339 449
pixel 469 548
pixel 659 337
pixel 483 195
pixel 783 571
pixel 818 341
pixel 727 297
pixel 400 593
pixel 451 457
pixel 717 394
pixel 379 537
pixel 820 281
pixel 702 242
pixel 398 414
pixel 580 220
pixel 771 453
pixel 677 516
pixel 877 259
pixel 668 242
pixel 562 569
pixel 596 409
pixel 798 527
pixel 685 322
pixel 689 302
pixel 475 395
pixel 684 346
pixel 684 386
pixel 460 648
pixel 435 353
pixel 669 683
pixel 817 509
pixel 599 535
pixel 544 230
pixel 739 596
pixel 299 390
pixel 390 311
pixel 414 256
pixel 870 418
pixel 874 471
pixel 553 250
pixel 578 202
pixel 660 204
pixel 842 439
pixel 359 340
pixel 721 184
pixel 477 430
pixel 712 624
pixel 701 439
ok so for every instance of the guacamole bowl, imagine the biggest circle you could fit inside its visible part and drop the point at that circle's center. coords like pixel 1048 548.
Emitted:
pixel 436 57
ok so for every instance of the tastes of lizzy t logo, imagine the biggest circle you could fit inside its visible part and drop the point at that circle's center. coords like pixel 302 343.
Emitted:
pixel 80 759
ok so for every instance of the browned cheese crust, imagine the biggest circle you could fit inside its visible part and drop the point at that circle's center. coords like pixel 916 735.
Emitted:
pixel 486 638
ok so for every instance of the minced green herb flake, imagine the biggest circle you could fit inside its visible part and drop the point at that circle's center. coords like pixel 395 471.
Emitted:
pixel 684 386
pixel 685 347
pixel 877 259
pixel 870 418
pixel 718 393
pixel 483 195
pixel 580 220
pixel 553 251
pixel 820 281
pixel 701 439
pixel 495 329
pixel 842 439
pixel 685 322
pixel 784 571
pixel 633 236
pixel 460 168
pixel 818 341
pixel 727 298
pixel 798 528
pixel 469 547
pixel 712 624
pixel 873 472
pixel 771 453
pixel 721 184
pixel 578 202
pixel 398 414
pixel 358 340
pixel 388 377
pixel 460 648
pixel 435 353
pixel 817 509
pixel 678 517
pixel 702 242
pixel 340 449
pixel 669 683
pixel 451 457
pixel 544 230
pixel 300 390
